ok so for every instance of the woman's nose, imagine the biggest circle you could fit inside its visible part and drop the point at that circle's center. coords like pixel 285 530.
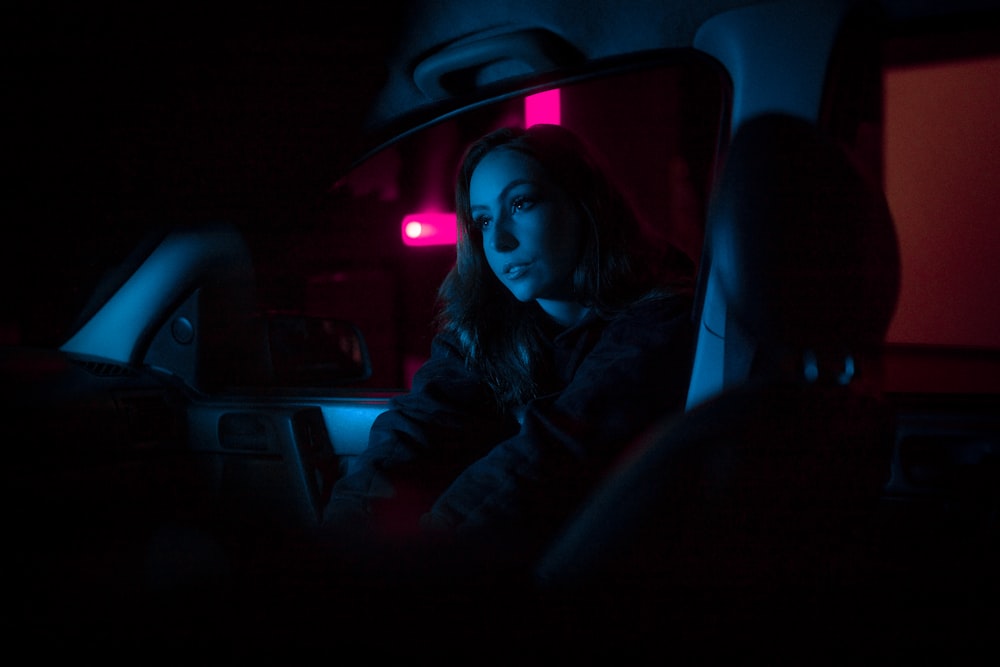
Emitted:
pixel 503 240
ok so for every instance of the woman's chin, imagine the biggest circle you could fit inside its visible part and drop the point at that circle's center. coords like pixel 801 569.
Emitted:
pixel 521 294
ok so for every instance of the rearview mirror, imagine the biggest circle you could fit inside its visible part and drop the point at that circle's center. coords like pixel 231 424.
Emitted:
pixel 316 351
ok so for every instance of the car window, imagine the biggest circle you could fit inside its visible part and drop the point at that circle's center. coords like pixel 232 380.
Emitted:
pixel 941 174
pixel 335 251
pixel 657 127
pixel 943 171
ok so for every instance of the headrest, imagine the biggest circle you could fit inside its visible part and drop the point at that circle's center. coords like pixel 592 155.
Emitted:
pixel 804 244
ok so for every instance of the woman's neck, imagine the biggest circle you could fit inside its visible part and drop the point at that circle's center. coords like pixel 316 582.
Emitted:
pixel 564 313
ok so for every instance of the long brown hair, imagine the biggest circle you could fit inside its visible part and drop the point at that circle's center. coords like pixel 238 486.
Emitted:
pixel 621 261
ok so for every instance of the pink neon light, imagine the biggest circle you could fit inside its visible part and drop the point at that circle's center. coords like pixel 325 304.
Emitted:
pixel 424 229
pixel 542 108
pixel 421 229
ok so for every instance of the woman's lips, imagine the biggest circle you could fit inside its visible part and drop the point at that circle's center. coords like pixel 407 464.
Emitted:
pixel 515 270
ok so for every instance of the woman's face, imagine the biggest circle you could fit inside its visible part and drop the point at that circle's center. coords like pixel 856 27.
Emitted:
pixel 532 235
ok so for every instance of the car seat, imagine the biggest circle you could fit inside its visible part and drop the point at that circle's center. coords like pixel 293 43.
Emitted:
pixel 768 492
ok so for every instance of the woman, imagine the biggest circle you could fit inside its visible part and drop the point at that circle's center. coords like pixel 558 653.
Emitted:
pixel 563 330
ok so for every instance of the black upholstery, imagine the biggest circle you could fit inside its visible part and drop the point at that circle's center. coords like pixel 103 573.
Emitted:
pixel 806 247
pixel 731 514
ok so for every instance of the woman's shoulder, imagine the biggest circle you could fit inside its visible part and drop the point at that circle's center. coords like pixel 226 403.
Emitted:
pixel 657 305
pixel 446 372
pixel 655 320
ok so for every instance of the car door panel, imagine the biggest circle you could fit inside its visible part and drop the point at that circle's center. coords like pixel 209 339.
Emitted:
pixel 275 460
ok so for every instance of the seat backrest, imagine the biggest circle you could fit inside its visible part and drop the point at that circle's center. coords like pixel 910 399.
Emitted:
pixel 772 484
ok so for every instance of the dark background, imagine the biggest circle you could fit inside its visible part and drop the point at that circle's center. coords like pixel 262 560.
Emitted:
pixel 119 117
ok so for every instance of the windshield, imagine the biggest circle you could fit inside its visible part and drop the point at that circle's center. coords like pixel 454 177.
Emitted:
pixel 372 248
pixel 384 238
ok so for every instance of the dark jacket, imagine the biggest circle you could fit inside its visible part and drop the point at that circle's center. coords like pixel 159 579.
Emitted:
pixel 446 457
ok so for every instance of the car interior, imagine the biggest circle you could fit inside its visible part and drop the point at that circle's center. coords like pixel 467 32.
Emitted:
pixel 771 489
pixel 182 396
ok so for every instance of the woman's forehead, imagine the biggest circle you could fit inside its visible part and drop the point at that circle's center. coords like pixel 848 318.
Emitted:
pixel 501 167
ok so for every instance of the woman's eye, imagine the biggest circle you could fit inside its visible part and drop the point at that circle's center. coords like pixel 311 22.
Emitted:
pixel 481 222
pixel 520 203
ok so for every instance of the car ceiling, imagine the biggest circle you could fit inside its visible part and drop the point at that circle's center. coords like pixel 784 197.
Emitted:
pixel 598 29
pixel 595 30
pixel 173 111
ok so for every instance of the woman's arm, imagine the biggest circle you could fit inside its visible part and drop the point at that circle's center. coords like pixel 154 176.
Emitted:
pixel 636 372
pixel 417 447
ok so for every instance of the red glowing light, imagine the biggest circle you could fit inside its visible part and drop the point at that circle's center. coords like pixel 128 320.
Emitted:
pixel 421 229
pixel 542 108
pixel 426 229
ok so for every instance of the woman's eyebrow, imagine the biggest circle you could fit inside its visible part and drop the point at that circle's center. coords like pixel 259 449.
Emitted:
pixel 506 190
